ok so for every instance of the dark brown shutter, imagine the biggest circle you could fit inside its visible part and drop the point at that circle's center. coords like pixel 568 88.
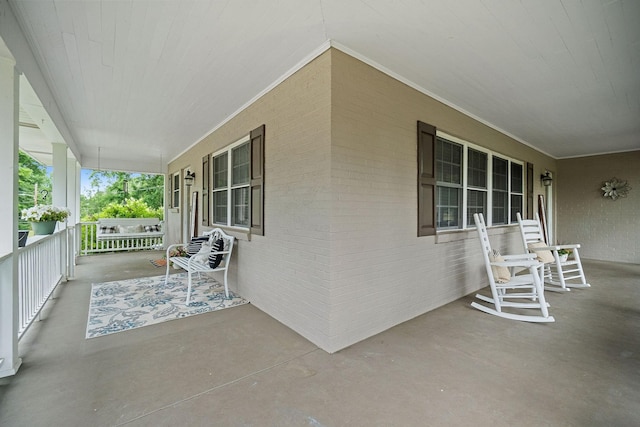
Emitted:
pixel 257 181
pixel 530 190
pixel 426 180
pixel 205 189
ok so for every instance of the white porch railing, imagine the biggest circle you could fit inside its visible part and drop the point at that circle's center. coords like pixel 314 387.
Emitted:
pixel 89 243
pixel 42 265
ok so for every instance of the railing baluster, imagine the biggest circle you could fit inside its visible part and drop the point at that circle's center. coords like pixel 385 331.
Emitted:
pixel 41 267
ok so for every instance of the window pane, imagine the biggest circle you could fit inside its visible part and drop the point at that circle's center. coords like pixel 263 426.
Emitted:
pixel 500 182
pixel 500 207
pixel 500 174
pixel 448 162
pixel 220 207
pixel 477 169
pixel 448 207
pixel 240 206
pixel 240 159
pixel 220 171
pixel 516 206
pixel 516 178
pixel 476 203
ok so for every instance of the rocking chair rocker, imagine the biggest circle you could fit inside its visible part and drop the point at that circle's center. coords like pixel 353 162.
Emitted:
pixel 561 274
pixel 522 291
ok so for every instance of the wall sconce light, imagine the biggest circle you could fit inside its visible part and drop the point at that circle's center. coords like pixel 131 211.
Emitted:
pixel 546 179
pixel 189 177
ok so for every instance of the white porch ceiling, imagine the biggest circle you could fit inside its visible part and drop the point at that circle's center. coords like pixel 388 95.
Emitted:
pixel 144 80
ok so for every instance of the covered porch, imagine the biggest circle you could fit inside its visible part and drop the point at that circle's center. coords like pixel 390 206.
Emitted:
pixel 451 366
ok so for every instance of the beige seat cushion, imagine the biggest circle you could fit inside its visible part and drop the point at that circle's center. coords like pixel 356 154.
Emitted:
pixel 544 256
pixel 500 274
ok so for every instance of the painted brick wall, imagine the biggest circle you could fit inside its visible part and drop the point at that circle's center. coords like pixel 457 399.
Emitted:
pixel 607 230
pixel 340 260
pixel 381 273
pixel 286 272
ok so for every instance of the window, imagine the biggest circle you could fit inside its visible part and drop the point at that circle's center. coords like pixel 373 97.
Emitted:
pixel 231 185
pixel 175 190
pixel 237 190
pixel 449 178
pixel 476 184
pixel 473 180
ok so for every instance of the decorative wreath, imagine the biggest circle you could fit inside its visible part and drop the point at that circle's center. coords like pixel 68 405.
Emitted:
pixel 615 188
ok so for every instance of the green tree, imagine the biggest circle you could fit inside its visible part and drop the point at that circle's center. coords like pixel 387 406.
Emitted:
pixel 143 187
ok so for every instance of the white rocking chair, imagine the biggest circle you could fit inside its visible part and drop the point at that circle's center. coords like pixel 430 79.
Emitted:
pixel 522 291
pixel 560 273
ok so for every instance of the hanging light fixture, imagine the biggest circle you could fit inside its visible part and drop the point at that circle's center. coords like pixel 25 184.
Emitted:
pixel 546 179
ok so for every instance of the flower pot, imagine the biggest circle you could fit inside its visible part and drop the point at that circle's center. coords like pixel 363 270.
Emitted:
pixel 563 257
pixel 44 227
pixel 22 238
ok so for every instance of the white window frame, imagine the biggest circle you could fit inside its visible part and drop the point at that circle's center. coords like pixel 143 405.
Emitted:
pixel 229 188
pixel 489 190
pixel 175 189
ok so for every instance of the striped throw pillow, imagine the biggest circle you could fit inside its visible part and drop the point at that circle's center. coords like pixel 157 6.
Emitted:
pixel 195 244
pixel 216 259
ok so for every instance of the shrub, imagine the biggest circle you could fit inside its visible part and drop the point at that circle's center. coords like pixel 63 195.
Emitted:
pixel 131 208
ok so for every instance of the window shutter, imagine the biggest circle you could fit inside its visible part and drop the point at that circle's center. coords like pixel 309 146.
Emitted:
pixel 530 190
pixel 257 181
pixel 205 189
pixel 426 180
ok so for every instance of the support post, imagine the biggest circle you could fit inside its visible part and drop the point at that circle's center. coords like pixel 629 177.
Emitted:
pixel 59 174
pixel 9 111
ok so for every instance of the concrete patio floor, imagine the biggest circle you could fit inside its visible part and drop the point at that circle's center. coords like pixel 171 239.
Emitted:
pixel 454 366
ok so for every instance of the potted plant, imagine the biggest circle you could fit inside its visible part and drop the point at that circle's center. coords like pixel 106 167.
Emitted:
pixel 43 218
pixel 564 254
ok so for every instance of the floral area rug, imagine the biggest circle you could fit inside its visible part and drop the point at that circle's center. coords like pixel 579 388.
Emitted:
pixel 129 304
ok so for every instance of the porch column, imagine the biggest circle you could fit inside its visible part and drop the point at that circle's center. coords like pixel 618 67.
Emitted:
pixel 73 203
pixel 9 108
pixel 73 190
pixel 59 196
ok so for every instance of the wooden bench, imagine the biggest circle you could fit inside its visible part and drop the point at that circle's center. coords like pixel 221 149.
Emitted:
pixel 129 233
pixel 200 263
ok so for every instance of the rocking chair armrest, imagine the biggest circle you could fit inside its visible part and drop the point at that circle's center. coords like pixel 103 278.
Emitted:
pixel 527 256
pixel 518 263
pixel 554 247
pixel 567 246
